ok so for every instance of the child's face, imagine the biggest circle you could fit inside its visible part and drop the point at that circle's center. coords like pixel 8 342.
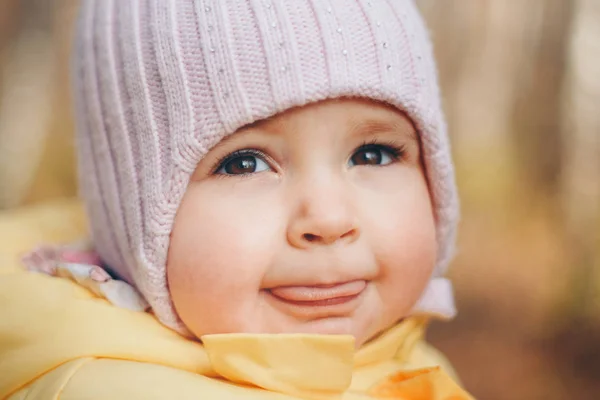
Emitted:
pixel 317 220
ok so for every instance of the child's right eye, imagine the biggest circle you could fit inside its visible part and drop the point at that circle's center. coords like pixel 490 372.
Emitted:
pixel 243 162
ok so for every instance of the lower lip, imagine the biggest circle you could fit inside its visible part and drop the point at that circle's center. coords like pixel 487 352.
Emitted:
pixel 320 303
pixel 320 296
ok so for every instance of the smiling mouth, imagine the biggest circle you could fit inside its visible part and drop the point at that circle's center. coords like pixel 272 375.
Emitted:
pixel 319 296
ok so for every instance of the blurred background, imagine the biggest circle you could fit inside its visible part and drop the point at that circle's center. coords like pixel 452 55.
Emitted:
pixel 521 85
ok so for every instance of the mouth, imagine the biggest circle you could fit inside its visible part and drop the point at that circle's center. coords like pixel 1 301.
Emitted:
pixel 331 299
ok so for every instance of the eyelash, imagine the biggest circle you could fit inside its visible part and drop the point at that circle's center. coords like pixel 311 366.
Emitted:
pixel 238 153
pixel 396 150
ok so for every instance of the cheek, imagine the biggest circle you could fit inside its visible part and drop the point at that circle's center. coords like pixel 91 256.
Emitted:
pixel 401 232
pixel 219 246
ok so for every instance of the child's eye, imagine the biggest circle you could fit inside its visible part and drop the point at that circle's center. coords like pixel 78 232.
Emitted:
pixel 242 163
pixel 374 154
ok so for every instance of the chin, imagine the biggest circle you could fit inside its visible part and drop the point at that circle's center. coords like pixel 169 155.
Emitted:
pixel 330 326
pixel 337 326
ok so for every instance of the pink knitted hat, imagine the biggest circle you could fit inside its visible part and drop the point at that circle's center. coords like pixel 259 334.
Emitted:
pixel 159 82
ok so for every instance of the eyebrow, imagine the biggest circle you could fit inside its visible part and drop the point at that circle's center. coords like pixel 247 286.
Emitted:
pixel 406 128
pixel 367 126
pixel 229 137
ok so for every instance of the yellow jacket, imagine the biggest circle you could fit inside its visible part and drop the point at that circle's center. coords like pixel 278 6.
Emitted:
pixel 60 341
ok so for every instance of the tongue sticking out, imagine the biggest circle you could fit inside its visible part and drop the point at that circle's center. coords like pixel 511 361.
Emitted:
pixel 319 293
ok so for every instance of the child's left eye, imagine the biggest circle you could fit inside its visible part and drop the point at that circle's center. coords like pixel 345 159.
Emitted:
pixel 373 155
pixel 242 163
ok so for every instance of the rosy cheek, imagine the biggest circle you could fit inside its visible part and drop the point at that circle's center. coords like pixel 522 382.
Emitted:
pixel 403 240
pixel 217 253
pixel 220 250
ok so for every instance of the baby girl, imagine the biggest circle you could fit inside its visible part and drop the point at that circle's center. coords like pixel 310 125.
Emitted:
pixel 273 179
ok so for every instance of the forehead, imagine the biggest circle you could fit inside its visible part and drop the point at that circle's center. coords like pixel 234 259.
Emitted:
pixel 352 115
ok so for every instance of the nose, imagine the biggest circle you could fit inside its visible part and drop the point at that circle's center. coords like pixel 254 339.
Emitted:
pixel 322 218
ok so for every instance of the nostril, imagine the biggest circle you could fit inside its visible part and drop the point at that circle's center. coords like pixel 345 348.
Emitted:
pixel 350 233
pixel 309 237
